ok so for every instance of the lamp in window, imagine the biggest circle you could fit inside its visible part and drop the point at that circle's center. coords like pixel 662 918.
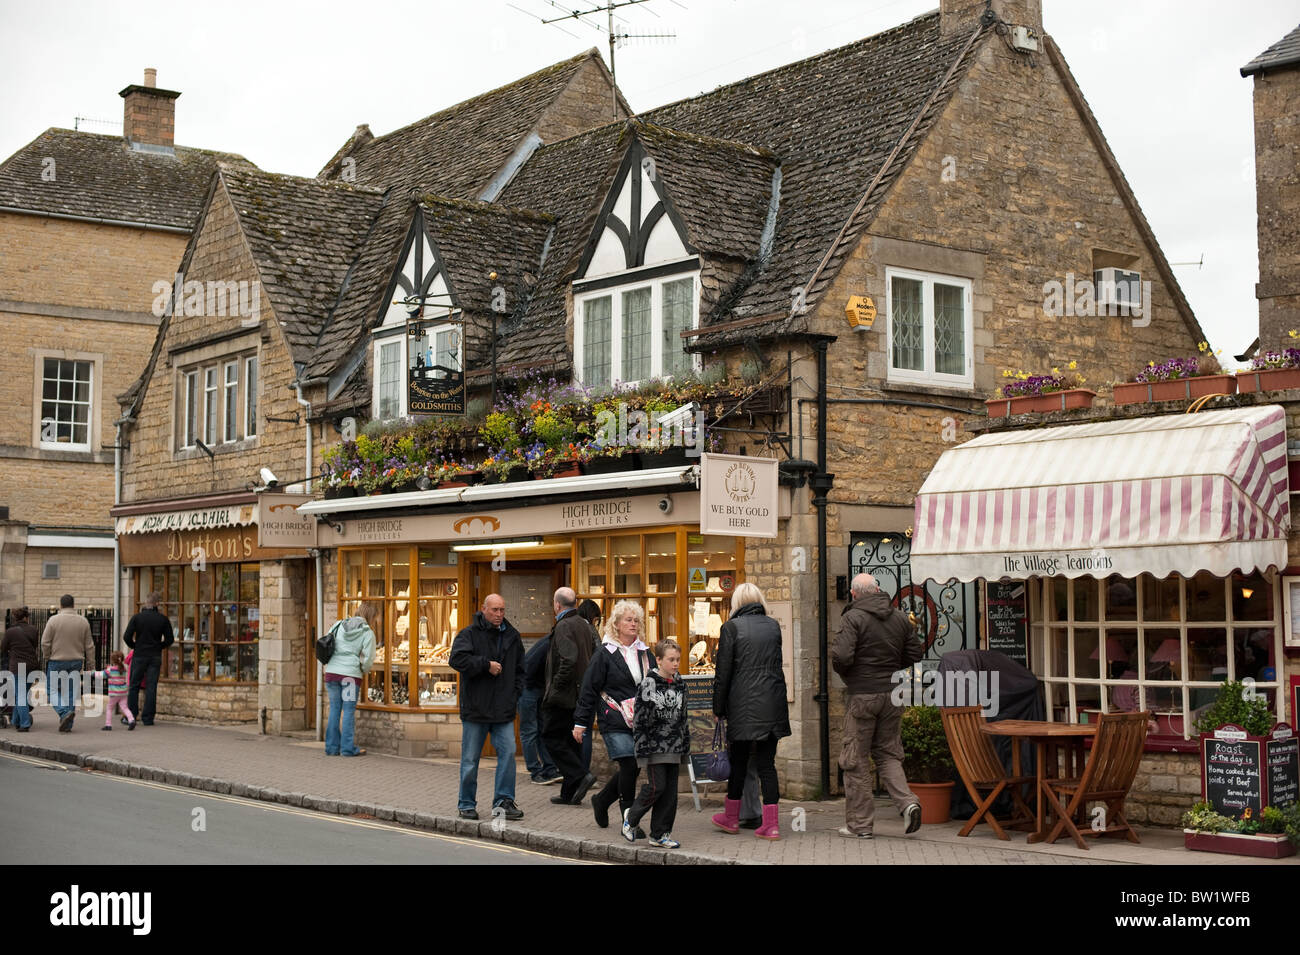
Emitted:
pixel 1115 652
pixel 1168 654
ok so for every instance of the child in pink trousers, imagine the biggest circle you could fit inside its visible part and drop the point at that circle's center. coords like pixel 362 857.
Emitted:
pixel 115 674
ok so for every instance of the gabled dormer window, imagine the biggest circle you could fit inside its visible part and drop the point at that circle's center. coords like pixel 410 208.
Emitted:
pixel 638 286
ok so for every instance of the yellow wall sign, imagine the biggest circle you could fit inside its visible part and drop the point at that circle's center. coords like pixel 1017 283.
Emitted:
pixel 860 311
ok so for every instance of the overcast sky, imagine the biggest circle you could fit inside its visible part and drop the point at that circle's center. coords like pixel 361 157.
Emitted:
pixel 285 83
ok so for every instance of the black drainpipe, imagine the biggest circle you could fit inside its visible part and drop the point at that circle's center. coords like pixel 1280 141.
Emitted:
pixel 821 484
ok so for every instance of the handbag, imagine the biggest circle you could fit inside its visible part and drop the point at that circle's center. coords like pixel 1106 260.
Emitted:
pixel 325 645
pixel 719 764
pixel 627 707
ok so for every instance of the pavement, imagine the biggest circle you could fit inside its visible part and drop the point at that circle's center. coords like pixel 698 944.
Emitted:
pixel 239 761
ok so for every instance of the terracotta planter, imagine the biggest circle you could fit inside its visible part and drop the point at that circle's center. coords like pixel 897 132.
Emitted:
pixel 1052 401
pixel 445 484
pixel 1179 389
pixel 569 469
pixel 1234 843
pixel 1268 379
pixel 936 802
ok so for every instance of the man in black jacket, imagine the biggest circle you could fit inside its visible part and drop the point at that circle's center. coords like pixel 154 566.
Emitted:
pixel 489 656
pixel 566 664
pixel 875 641
pixel 148 633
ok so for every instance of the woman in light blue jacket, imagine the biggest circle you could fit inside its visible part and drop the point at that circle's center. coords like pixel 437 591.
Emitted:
pixel 354 653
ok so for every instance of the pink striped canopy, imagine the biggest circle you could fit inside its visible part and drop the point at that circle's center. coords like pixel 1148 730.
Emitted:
pixel 1175 494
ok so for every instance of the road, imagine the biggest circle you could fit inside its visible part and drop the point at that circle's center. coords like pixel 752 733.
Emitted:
pixel 57 814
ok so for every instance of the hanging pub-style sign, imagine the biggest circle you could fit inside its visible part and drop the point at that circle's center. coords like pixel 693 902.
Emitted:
pixel 435 380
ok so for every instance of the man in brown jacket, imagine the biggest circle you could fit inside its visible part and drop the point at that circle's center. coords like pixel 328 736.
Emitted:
pixel 875 641
pixel 66 647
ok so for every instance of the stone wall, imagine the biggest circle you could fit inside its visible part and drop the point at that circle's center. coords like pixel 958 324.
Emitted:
pixel 1277 198
pixel 584 104
pixel 85 573
pixel 207 702
pixel 283 668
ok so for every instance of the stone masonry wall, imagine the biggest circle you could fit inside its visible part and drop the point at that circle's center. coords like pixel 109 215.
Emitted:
pixel 1277 198
pixel 207 702
pixel 282 644
pixel 584 104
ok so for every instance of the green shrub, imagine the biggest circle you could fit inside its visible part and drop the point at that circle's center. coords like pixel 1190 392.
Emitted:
pixel 927 758
pixel 1234 704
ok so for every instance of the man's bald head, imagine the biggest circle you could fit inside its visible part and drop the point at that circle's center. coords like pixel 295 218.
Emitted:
pixel 565 599
pixel 862 585
pixel 494 609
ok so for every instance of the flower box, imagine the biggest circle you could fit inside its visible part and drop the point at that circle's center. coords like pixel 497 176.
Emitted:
pixel 1175 389
pixel 667 458
pixel 611 464
pixel 1065 400
pixel 517 473
pixel 1268 379
pixel 342 490
pixel 1262 846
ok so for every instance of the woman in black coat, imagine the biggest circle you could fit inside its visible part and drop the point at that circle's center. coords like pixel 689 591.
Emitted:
pixel 749 692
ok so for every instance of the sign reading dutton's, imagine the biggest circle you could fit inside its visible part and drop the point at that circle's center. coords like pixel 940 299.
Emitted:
pixel 738 495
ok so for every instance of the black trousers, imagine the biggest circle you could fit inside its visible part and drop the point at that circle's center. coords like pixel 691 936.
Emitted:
pixel 658 797
pixel 621 786
pixel 566 753
pixel 763 751
pixel 144 673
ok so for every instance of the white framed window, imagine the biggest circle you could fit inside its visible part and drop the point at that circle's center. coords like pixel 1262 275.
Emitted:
pixel 931 328
pixel 440 347
pixel 250 396
pixel 66 404
pixel 190 409
pixel 210 410
pixel 1165 645
pixel 389 378
pixel 633 332
pixel 230 390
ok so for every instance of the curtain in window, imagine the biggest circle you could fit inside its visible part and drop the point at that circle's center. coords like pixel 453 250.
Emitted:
pixel 908 324
pixel 678 301
pixel 949 330
pixel 596 321
pixel 390 380
pixel 250 396
pixel 636 334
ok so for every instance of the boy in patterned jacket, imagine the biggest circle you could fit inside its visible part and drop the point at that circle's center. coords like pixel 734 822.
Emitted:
pixel 662 744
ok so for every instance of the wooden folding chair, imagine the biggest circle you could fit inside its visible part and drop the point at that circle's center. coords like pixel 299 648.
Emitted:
pixel 1107 777
pixel 980 769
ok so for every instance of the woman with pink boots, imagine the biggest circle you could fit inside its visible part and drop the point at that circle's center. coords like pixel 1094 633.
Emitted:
pixel 749 692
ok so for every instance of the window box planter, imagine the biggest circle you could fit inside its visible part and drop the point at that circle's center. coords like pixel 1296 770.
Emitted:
pixel 1262 846
pixel 1268 379
pixel 343 490
pixel 518 473
pixel 1052 401
pixel 611 464
pixel 1176 389
pixel 668 458
pixel 567 469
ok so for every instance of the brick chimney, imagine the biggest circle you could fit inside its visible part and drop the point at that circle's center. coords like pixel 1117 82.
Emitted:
pixel 961 16
pixel 149 114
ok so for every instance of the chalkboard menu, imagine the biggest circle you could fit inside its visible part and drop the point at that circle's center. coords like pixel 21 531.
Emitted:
pixel 1004 605
pixel 1282 754
pixel 1232 766
pixel 700 722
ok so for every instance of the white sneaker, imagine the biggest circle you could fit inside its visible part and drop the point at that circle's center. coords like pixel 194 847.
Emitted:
pixel 913 816
pixel 666 841
pixel 848 833
pixel 628 832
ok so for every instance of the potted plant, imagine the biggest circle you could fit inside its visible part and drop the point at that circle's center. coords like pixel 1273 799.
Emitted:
pixel 927 762
pixel 1272 834
pixel 1176 379
pixel 1039 393
pixel 1272 371
pixel 1235 705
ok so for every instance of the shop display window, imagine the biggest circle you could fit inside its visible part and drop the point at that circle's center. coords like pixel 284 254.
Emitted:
pixel 417 593
pixel 1123 645
pixel 215 618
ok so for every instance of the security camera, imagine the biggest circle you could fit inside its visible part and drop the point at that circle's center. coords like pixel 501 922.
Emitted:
pixel 268 477
pixel 666 505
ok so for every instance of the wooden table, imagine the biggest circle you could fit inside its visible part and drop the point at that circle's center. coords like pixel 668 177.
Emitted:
pixel 1046 737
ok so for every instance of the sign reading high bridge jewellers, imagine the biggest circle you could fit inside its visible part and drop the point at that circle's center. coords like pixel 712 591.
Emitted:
pixel 280 524
pixel 738 495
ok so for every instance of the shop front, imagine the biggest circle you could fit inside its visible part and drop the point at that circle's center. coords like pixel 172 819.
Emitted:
pixel 1149 555
pixel 430 564
pixel 240 611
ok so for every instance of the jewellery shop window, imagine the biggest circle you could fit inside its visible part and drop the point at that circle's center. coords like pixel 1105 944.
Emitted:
pixel 1129 644
pixel 214 616
pixel 682 580
pixel 416 590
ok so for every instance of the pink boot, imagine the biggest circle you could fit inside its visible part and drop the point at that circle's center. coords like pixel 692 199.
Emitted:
pixel 771 827
pixel 729 819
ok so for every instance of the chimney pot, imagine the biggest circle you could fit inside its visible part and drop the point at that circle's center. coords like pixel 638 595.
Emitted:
pixel 150 76
pixel 149 113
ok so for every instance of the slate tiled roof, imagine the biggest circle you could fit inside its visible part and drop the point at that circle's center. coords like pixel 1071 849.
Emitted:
pixel 304 236
pixel 1285 52
pixel 431 154
pixel 833 121
pixel 102 177
pixel 721 189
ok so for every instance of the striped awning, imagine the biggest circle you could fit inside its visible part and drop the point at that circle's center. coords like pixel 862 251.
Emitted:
pixel 1172 494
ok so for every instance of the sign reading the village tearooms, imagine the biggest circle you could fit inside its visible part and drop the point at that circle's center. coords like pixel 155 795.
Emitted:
pixel 280 525
pixel 738 495
pixel 202 519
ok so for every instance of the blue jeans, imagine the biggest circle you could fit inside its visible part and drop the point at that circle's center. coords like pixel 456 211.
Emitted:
pixel 22 712
pixel 342 722
pixel 472 737
pixel 63 702
pixel 536 758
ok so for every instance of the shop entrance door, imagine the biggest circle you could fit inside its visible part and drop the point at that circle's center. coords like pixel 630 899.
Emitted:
pixel 527 586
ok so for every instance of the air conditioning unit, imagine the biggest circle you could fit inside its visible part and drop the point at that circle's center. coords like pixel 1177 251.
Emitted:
pixel 1024 39
pixel 1117 287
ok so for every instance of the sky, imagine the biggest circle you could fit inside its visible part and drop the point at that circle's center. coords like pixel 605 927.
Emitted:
pixel 285 83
